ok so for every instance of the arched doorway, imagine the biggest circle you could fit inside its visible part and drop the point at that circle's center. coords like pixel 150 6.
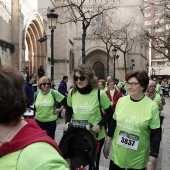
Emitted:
pixel 98 68
pixel 35 52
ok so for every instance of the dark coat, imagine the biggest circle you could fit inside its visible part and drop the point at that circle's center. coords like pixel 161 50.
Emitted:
pixel 29 91
pixel 41 72
pixel 62 88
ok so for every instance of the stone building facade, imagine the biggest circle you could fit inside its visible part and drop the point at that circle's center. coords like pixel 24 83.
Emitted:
pixel 23 22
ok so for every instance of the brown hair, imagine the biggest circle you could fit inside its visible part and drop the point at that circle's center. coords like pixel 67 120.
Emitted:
pixel 111 81
pixel 43 79
pixel 103 82
pixel 141 76
pixel 12 95
pixel 88 72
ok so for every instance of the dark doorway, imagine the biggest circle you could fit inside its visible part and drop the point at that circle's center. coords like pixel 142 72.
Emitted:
pixel 98 68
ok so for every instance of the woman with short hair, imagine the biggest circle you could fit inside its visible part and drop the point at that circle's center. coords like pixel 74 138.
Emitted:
pixel 21 140
pixel 135 128
pixel 45 100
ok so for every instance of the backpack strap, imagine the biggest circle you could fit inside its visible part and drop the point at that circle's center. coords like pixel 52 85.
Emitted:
pixel 53 94
pixel 35 95
pixel 99 102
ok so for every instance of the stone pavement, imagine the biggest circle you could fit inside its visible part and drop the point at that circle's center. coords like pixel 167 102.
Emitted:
pixel 164 154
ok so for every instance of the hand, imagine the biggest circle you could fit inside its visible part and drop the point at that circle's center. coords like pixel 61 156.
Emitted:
pixel 58 110
pixel 106 151
pixel 96 128
pixel 150 166
pixel 160 106
pixel 66 126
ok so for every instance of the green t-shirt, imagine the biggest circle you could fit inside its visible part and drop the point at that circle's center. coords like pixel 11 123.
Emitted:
pixel 158 88
pixel 131 141
pixel 157 99
pixel 86 107
pixel 37 156
pixel 45 106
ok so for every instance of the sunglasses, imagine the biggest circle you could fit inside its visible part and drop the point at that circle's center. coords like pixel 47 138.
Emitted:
pixel 44 84
pixel 81 78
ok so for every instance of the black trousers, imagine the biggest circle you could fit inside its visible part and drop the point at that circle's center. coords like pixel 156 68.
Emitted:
pixel 99 153
pixel 115 167
pixel 50 127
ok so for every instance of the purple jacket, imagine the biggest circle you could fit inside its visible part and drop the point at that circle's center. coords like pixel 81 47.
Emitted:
pixel 29 91
pixel 62 88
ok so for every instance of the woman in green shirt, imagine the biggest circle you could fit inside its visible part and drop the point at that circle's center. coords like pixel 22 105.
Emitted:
pixel 83 102
pixel 135 128
pixel 45 101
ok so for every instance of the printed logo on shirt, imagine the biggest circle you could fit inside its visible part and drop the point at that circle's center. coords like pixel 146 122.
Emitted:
pixel 84 108
pixel 129 123
pixel 132 121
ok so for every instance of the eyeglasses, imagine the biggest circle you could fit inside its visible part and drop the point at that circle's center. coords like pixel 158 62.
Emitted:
pixel 133 84
pixel 81 78
pixel 152 86
pixel 44 84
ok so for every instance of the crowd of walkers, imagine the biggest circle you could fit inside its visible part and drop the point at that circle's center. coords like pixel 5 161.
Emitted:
pixel 126 118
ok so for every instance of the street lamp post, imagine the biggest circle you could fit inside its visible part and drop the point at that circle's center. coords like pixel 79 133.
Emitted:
pixel 52 22
pixel 114 51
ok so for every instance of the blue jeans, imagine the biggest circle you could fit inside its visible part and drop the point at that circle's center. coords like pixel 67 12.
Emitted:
pixel 50 127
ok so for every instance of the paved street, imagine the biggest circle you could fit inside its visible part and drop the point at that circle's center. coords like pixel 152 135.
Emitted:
pixel 164 155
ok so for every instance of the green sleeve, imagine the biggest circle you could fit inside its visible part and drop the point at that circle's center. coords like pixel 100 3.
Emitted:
pixel 69 98
pixel 58 96
pixel 155 120
pixel 104 100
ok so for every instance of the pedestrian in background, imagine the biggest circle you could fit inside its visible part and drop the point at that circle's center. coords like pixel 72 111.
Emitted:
pixel 158 86
pixel 109 79
pixel 41 72
pixel 29 90
pixel 62 88
pixel 45 114
pixel 35 82
pixel 83 102
pixel 151 93
pixel 102 84
pixel 118 85
pixel 21 140
pixel 113 95
pixel 135 128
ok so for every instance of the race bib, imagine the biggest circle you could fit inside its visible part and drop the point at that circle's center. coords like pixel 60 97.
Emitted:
pixel 81 123
pixel 128 140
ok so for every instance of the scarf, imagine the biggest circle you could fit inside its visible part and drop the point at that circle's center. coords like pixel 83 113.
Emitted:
pixel 151 96
pixel 85 90
pixel 44 93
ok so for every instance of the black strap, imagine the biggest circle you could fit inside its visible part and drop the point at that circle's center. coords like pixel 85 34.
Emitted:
pixel 99 102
